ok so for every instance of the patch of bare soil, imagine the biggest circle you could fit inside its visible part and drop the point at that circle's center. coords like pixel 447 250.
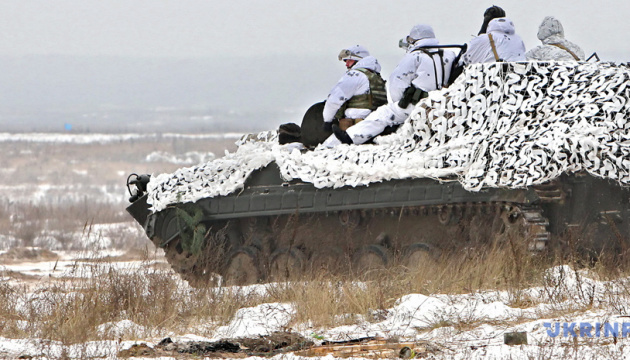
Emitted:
pixel 168 348
pixel 280 342
pixel 275 343
pixel 284 342
pixel 22 254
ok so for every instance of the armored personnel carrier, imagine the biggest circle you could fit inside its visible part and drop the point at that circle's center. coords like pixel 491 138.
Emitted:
pixel 510 152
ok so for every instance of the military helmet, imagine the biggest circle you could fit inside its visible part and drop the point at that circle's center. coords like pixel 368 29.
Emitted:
pixel 356 52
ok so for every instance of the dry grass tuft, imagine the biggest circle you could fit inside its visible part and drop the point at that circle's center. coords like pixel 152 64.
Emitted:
pixel 71 311
pixel 325 300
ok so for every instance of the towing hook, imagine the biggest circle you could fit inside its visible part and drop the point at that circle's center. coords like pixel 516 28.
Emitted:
pixel 139 183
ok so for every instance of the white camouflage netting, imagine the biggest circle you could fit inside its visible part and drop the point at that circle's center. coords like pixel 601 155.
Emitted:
pixel 500 125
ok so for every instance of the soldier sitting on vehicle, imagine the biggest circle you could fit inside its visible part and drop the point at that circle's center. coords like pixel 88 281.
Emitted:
pixel 360 91
pixel 424 68
pixel 555 47
pixel 490 14
pixel 500 43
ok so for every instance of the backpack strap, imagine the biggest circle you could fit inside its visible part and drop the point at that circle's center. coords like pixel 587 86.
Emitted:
pixel 444 81
pixel 494 48
pixel 440 53
pixel 567 50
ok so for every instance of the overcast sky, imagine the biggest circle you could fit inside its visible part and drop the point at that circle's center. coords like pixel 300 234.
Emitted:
pixel 275 54
pixel 205 28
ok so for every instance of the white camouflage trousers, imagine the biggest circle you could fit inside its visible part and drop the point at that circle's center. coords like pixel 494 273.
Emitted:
pixel 386 115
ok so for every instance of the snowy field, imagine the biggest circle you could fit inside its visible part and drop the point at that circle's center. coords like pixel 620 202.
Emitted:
pixel 56 189
pixel 573 316
pixel 80 281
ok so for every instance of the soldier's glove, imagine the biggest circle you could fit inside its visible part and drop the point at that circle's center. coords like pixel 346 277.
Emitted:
pixel 327 126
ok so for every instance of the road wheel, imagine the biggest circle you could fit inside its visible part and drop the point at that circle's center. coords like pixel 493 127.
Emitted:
pixel 370 257
pixel 287 264
pixel 243 267
pixel 417 255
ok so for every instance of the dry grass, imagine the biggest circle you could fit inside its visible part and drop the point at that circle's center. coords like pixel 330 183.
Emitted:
pixel 325 300
pixel 71 311
pixel 60 226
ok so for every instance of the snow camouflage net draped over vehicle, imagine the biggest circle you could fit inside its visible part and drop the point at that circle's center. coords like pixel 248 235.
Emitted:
pixel 499 125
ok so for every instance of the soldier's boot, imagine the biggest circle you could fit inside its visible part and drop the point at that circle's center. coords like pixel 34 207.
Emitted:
pixel 342 135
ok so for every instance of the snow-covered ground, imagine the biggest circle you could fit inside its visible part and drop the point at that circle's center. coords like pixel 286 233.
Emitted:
pixel 574 316
pixel 77 138
pixel 189 158
pixel 67 190
pixel 457 326
pixel 68 264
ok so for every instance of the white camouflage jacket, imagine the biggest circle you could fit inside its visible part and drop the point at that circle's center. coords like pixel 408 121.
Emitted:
pixel 352 83
pixel 551 32
pixel 509 45
pixel 419 69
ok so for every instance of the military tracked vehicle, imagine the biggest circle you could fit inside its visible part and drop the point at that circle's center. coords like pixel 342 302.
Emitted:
pixel 511 152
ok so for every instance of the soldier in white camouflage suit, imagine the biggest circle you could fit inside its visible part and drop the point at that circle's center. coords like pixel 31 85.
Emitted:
pixel 424 68
pixel 359 91
pixel 554 46
pixel 499 43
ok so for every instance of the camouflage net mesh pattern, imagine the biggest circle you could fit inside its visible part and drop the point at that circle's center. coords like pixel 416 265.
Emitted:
pixel 500 125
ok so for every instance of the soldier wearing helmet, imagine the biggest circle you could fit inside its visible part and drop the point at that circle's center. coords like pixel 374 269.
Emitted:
pixel 424 68
pixel 359 91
